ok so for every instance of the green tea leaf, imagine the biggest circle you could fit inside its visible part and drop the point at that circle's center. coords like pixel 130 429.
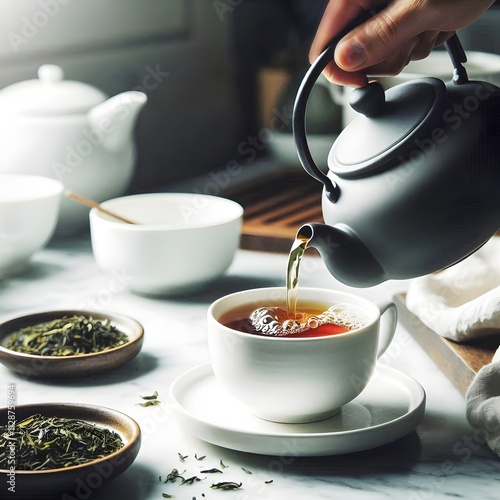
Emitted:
pixel 67 336
pixel 149 403
pixel 43 442
pixel 211 471
pixel 190 480
pixel 174 475
pixel 226 485
pixel 153 396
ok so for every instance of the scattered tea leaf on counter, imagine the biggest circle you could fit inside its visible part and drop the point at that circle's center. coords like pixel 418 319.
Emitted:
pixel 223 485
pixel 67 336
pixel 174 475
pixel 190 480
pixel 153 396
pixel 149 403
pixel 211 471
pixel 43 443
pixel 166 495
pixel 226 485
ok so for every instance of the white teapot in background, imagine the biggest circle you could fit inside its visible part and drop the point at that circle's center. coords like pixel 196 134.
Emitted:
pixel 69 131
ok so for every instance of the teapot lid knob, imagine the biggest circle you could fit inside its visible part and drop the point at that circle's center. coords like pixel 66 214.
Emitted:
pixel 50 73
pixel 368 100
pixel 389 127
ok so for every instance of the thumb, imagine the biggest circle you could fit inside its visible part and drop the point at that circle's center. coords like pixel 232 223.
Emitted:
pixel 375 40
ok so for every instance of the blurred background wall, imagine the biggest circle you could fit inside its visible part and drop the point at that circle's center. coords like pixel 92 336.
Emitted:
pixel 212 69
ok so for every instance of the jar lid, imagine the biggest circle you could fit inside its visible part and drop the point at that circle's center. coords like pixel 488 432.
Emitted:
pixel 50 95
pixel 371 143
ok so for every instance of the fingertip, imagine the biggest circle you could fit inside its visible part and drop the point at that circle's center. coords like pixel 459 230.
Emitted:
pixel 330 75
pixel 338 77
pixel 350 55
pixel 357 80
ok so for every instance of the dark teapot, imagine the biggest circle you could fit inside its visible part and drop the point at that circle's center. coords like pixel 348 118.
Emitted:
pixel 413 182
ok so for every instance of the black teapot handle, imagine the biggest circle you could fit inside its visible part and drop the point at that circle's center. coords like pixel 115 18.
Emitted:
pixel 299 121
pixel 332 191
pixel 457 56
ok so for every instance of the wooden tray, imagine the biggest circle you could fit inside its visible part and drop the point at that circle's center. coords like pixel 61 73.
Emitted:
pixel 459 362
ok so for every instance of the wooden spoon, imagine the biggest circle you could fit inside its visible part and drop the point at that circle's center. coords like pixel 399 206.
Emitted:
pixel 93 204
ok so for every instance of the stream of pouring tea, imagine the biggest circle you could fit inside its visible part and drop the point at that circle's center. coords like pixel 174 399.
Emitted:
pixel 292 275
pixel 308 322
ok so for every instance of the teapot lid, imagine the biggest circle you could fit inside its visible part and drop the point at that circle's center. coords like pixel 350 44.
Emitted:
pixel 50 95
pixel 388 127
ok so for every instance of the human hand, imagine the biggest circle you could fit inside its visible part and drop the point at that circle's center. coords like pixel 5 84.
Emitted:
pixel 402 31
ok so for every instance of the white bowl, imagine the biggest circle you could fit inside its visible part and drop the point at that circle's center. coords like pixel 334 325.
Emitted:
pixel 29 208
pixel 179 241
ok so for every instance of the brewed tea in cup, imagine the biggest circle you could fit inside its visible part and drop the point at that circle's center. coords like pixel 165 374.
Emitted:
pixel 297 378
pixel 312 320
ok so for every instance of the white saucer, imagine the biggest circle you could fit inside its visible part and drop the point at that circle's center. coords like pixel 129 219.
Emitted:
pixel 390 407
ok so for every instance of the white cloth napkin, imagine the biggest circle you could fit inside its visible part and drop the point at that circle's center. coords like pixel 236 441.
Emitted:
pixel 483 404
pixel 462 303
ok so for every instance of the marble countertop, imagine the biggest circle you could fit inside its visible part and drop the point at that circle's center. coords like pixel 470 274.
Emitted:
pixel 441 458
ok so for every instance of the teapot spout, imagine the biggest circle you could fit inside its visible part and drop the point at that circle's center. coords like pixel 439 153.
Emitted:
pixel 346 257
pixel 114 119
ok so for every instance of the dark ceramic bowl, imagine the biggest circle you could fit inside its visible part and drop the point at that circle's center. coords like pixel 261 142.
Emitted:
pixel 34 366
pixel 81 478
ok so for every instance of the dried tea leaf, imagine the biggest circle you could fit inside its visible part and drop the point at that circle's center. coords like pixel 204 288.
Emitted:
pixel 246 470
pixel 153 396
pixel 190 480
pixel 149 403
pixel 67 336
pixel 43 443
pixel 211 471
pixel 174 475
pixel 182 458
pixel 226 485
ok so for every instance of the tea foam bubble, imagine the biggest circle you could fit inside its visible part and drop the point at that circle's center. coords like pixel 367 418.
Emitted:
pixel 274 321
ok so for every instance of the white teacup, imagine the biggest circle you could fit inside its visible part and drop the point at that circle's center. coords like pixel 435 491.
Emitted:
pixel 296 380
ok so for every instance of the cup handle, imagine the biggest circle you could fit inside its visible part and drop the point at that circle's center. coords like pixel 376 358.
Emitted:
pixel 388 324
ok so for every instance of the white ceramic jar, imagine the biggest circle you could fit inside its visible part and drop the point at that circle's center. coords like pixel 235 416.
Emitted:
pixel 71 132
